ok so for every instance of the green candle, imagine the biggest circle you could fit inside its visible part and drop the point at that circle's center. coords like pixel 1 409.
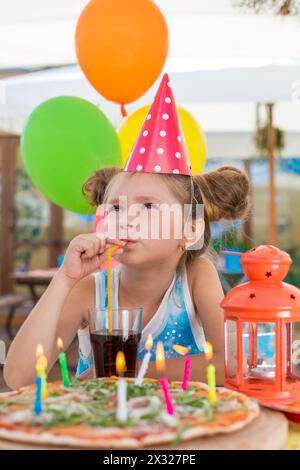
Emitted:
pixel 63 364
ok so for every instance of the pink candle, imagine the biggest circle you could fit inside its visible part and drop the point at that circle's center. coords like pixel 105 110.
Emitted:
pixel 186 373
pixel 160 366
pixel 182 350
pixel 166 393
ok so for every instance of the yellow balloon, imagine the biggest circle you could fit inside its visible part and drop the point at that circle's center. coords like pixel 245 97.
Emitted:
pixel 193 134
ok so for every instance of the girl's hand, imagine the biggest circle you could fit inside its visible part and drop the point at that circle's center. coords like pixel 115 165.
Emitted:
pixel 85 253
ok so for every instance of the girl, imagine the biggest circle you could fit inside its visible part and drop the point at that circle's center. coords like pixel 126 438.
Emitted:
pixel 169 276
pixel 178 288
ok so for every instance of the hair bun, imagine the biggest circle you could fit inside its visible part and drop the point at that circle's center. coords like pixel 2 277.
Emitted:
pixel 94 188
pixel 225 193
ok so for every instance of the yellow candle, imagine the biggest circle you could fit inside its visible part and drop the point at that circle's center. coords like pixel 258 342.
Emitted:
pixel 41 367
pixel 211 374
pixel 211 380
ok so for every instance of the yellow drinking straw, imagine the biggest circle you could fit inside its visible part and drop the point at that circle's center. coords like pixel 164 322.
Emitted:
pixel 109 285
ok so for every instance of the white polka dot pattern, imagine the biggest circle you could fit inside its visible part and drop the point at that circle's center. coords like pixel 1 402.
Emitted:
pixel 160 146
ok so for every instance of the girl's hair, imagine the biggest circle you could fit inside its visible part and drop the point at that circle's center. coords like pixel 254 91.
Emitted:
pixel 223 192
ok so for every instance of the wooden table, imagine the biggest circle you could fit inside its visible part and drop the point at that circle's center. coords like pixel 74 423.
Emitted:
pixel 34 279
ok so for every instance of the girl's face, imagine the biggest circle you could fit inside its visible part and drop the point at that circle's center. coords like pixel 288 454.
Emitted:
pixel 142 209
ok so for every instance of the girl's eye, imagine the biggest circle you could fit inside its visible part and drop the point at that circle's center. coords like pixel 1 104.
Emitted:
pixel 113 208
pixel 151 205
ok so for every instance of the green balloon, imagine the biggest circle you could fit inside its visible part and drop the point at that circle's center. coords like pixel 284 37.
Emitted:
pixel 64 141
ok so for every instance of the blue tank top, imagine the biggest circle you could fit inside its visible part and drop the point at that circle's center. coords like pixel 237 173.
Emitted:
pixel 174 322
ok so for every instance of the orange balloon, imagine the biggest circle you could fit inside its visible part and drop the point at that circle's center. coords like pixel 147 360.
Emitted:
pixel 121 47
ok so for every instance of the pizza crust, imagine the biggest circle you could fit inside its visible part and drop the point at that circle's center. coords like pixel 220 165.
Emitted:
pixel 167 436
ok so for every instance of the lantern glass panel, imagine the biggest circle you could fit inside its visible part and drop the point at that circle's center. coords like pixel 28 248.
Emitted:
pixel 231 348
pixel 259 351
pixel 292 352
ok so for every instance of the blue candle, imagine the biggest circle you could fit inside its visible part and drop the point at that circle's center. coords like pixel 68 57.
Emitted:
pixel 38 396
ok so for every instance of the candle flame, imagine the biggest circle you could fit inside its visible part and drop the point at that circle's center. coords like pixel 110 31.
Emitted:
pixel 160 357
pixel 120 363
pixel 208 350
pixel 60 344
pixel 39 350
pixel 181 349
pixel 42 363
pixel 149 343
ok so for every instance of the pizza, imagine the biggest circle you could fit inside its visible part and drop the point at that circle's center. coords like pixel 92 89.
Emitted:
pixel 84 415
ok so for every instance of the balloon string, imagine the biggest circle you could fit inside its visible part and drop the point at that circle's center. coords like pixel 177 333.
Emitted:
pixel 123 111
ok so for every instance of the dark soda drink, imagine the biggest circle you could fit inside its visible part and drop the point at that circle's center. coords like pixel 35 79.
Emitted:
pixel 105 349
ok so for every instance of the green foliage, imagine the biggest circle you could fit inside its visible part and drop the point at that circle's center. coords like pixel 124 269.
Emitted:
pixel 261 140
pixel 281 8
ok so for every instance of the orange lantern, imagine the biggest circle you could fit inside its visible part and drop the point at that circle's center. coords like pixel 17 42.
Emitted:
pixel 262 329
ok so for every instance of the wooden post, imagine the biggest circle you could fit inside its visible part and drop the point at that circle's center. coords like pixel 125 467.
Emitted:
pixel 8 147
pixel 272 190
pixel 247 225
pixel 55 233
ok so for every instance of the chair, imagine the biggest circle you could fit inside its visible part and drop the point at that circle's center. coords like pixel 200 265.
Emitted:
pixel 10 302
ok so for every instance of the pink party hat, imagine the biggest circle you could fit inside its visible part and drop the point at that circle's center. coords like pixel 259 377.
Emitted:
pixel 160 145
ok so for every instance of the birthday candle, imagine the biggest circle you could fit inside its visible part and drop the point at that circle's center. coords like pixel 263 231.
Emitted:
pixel 38 408
pixel 39 351
pixel 63 364
pixel 41 366
pixel 125 324
pixel 164 383
pixel 210 373
pixel 145 361
pixel 187 365
pixel 122 411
